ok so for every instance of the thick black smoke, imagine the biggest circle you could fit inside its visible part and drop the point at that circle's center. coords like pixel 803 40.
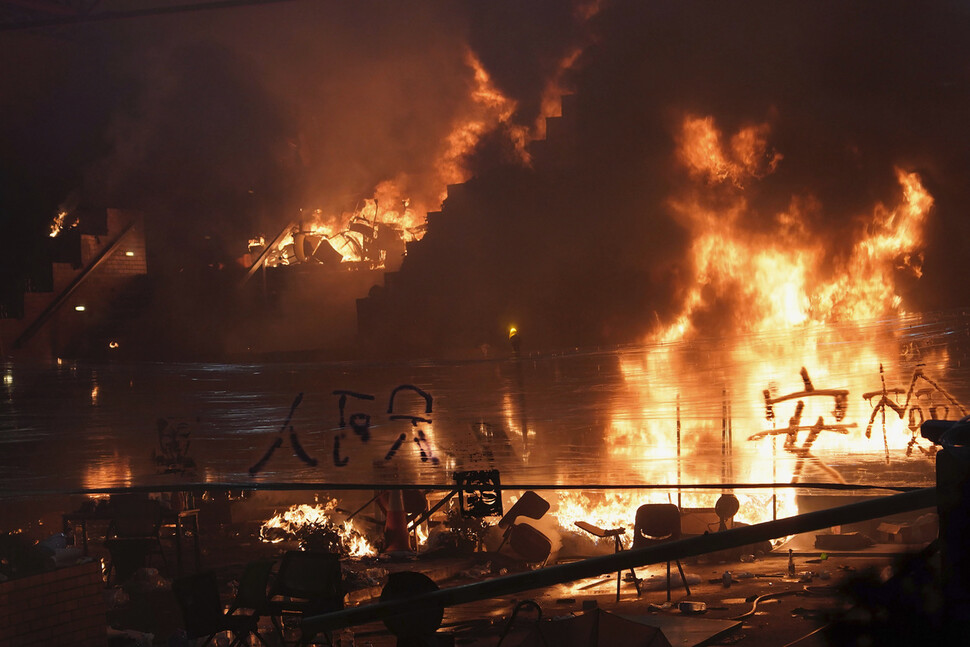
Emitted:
pixel 584 248
pixel 223 125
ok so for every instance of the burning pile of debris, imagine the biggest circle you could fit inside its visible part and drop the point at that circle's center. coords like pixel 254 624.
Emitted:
pixel 316 528
pixel 370 239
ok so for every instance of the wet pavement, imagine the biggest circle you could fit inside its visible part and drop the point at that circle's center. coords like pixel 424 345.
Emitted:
pixel 759 604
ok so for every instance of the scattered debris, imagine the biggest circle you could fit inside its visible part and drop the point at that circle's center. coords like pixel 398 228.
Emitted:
pixel 921 531
pixel 846 541
pixel 691 607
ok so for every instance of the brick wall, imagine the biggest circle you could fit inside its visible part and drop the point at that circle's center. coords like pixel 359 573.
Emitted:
pixel 61 607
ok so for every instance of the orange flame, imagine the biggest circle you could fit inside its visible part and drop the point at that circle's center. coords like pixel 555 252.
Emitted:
pixel 783 302
pixel 298 516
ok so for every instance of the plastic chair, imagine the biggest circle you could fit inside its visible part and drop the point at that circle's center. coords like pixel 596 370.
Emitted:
pixel 530 505
pixel 726 507
pixel 617 547
pixel 527 541
pixel 307 583
pixel 198 598
pixel 656 523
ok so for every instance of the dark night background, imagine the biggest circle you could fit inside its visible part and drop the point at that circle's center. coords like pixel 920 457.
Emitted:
pixel 220 124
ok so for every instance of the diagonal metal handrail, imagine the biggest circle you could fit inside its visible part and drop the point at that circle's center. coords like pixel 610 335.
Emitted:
pixel 691 547
pixel 66 293
pixel 258 262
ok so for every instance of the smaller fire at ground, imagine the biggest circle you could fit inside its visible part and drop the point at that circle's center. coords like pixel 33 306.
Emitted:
pixel 317 526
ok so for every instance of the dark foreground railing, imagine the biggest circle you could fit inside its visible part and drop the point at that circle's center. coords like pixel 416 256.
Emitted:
pixel 733 538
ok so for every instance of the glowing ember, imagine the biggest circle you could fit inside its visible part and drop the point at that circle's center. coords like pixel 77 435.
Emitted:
pixel 57 224
pixel 303 519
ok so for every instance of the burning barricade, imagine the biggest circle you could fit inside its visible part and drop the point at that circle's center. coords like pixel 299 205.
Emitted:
pixel 316 527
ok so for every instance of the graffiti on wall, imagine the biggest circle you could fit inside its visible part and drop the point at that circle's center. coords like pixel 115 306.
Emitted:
pixel 360 425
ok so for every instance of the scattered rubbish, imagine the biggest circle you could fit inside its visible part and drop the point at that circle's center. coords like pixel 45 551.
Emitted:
pixel 825 575
pixel 595 583
pixel 692 607
pixel 846 541
pixel 820 590
pixel 924 529
pixel 808 614
pixel 343 638
pixel 146 580
pixel 768 597
pixel 477 572
pixel 747 558
pixel 663 606
pixel 114 597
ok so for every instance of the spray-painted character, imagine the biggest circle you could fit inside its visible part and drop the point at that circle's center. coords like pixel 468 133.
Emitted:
pixel 294 442
pixel 359 423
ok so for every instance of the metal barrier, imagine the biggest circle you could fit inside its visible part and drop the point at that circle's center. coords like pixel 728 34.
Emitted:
pixel 694 546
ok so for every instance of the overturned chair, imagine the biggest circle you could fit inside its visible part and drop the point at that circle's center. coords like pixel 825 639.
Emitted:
pixel 533 546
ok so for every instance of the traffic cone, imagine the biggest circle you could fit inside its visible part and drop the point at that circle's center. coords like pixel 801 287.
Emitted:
pixel 396 526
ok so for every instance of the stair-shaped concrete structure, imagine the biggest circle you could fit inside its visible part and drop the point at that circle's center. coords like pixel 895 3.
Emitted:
pixel 89 300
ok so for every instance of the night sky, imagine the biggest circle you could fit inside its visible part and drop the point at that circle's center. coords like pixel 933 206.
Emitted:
pixel 222 124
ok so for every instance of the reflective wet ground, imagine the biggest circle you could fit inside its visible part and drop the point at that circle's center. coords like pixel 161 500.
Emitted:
pixel 686 413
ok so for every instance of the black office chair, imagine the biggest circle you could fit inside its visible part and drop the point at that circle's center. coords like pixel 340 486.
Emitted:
pixel 253 590
pixel 198 598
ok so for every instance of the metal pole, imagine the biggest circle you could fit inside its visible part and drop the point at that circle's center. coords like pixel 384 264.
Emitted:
pixel 699 545
pixel 432 487
pixel 678 452
pixel 724 424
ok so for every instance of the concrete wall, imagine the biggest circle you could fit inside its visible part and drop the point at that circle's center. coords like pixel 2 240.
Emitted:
pixel 60 607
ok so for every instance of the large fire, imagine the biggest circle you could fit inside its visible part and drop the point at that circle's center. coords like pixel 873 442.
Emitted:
pixel 373 234
pixel 801 325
